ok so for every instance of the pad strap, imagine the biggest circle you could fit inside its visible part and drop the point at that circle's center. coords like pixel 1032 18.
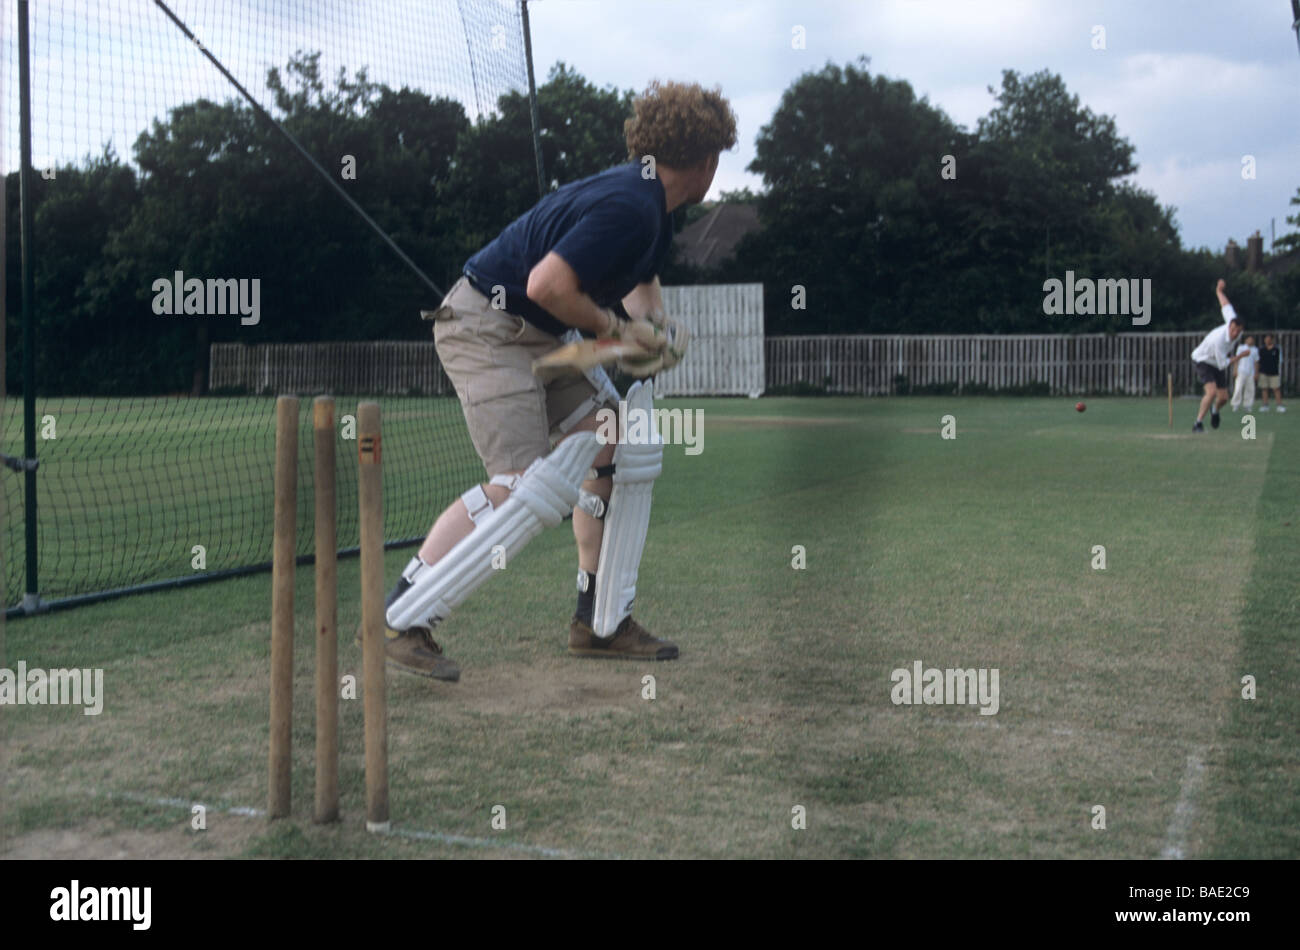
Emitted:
pixel 476 503
pixel 588 406
pixel 476 500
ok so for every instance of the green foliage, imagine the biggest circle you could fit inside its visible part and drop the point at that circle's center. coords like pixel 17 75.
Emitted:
pixel 1290 242
pixel 1259 302
pixel 220 193
pixel 90 326
pixel 851 164
pixel 740 196
pixel 494 178
pixel 1288 294
pixel 854 209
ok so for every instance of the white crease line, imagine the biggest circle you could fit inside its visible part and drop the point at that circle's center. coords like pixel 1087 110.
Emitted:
pixel 1181 820
pixel 439 836
pixel 394 832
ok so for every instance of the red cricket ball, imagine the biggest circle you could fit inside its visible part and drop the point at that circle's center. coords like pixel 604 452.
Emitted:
pixel 1080 406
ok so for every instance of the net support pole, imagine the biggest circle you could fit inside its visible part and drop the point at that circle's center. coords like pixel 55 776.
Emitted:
pixel 32 598
pixel 532 100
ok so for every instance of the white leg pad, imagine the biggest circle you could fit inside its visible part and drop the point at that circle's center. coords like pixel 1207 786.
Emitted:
pixel 542 498
pixel 628 517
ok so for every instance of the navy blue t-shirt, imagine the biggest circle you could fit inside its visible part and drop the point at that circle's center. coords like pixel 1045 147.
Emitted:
pixel 613 229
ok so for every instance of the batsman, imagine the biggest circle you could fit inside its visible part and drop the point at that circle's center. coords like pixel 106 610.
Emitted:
pixel 570 285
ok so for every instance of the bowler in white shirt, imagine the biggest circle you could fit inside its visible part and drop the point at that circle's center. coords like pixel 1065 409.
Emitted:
pixel 1212 361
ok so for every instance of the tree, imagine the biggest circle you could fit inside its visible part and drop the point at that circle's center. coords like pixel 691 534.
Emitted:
pixel 1043 168
pixel 224 195
pixel 493 178
pixel 896 220
pixel 1290 242
pixel 852 205
pixel 77 336
pixel 739 196
pixel 220 194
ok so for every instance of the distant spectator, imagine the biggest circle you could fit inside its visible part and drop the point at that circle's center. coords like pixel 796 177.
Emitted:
pixel 1270 373
pixel 1243 394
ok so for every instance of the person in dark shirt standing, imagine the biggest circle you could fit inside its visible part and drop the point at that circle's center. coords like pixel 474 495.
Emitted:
pixel 587 258
pixel 1270 373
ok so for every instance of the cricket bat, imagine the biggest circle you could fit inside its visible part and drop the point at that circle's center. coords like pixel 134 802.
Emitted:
pixel 575 358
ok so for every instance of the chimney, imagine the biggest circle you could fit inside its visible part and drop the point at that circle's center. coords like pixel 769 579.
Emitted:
pixel 1254 252
pixel 1230 255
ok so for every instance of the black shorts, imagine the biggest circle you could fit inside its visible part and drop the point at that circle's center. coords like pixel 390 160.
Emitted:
pixel 1209 373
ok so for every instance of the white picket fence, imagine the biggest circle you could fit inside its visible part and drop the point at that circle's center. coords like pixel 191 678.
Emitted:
pixel 373 368
pixel 728 356
pixel 725 357
pixel 1129 363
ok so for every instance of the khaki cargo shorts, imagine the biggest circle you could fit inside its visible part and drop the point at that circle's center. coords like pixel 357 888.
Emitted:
pixel 488 355
pixel 1270 382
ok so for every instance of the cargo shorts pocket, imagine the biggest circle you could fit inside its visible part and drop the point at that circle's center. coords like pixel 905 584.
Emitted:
pixel 507 421
pixel 501 328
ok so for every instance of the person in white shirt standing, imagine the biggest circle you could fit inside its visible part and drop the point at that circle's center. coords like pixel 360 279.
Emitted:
pixel 1243 393
pixel 1212 361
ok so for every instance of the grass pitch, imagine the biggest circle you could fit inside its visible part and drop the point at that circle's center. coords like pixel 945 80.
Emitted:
pixel 1119 688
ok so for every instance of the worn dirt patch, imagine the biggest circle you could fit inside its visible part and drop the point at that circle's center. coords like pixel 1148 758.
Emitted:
pixel 563 689
pixel 225 837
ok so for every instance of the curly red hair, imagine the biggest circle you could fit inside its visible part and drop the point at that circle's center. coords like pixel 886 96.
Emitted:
pixel 680 124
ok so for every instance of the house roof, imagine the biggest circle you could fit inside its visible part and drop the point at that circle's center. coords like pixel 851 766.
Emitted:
pixel 713 238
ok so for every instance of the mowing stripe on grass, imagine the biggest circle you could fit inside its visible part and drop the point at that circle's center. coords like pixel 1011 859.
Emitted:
pixel 409 834
pixel 1257 780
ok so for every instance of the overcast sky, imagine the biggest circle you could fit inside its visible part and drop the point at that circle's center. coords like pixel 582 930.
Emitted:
pixel 1194 85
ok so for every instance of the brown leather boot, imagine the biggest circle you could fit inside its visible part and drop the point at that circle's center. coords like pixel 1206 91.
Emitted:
pixel 630 641
pixel 414 651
